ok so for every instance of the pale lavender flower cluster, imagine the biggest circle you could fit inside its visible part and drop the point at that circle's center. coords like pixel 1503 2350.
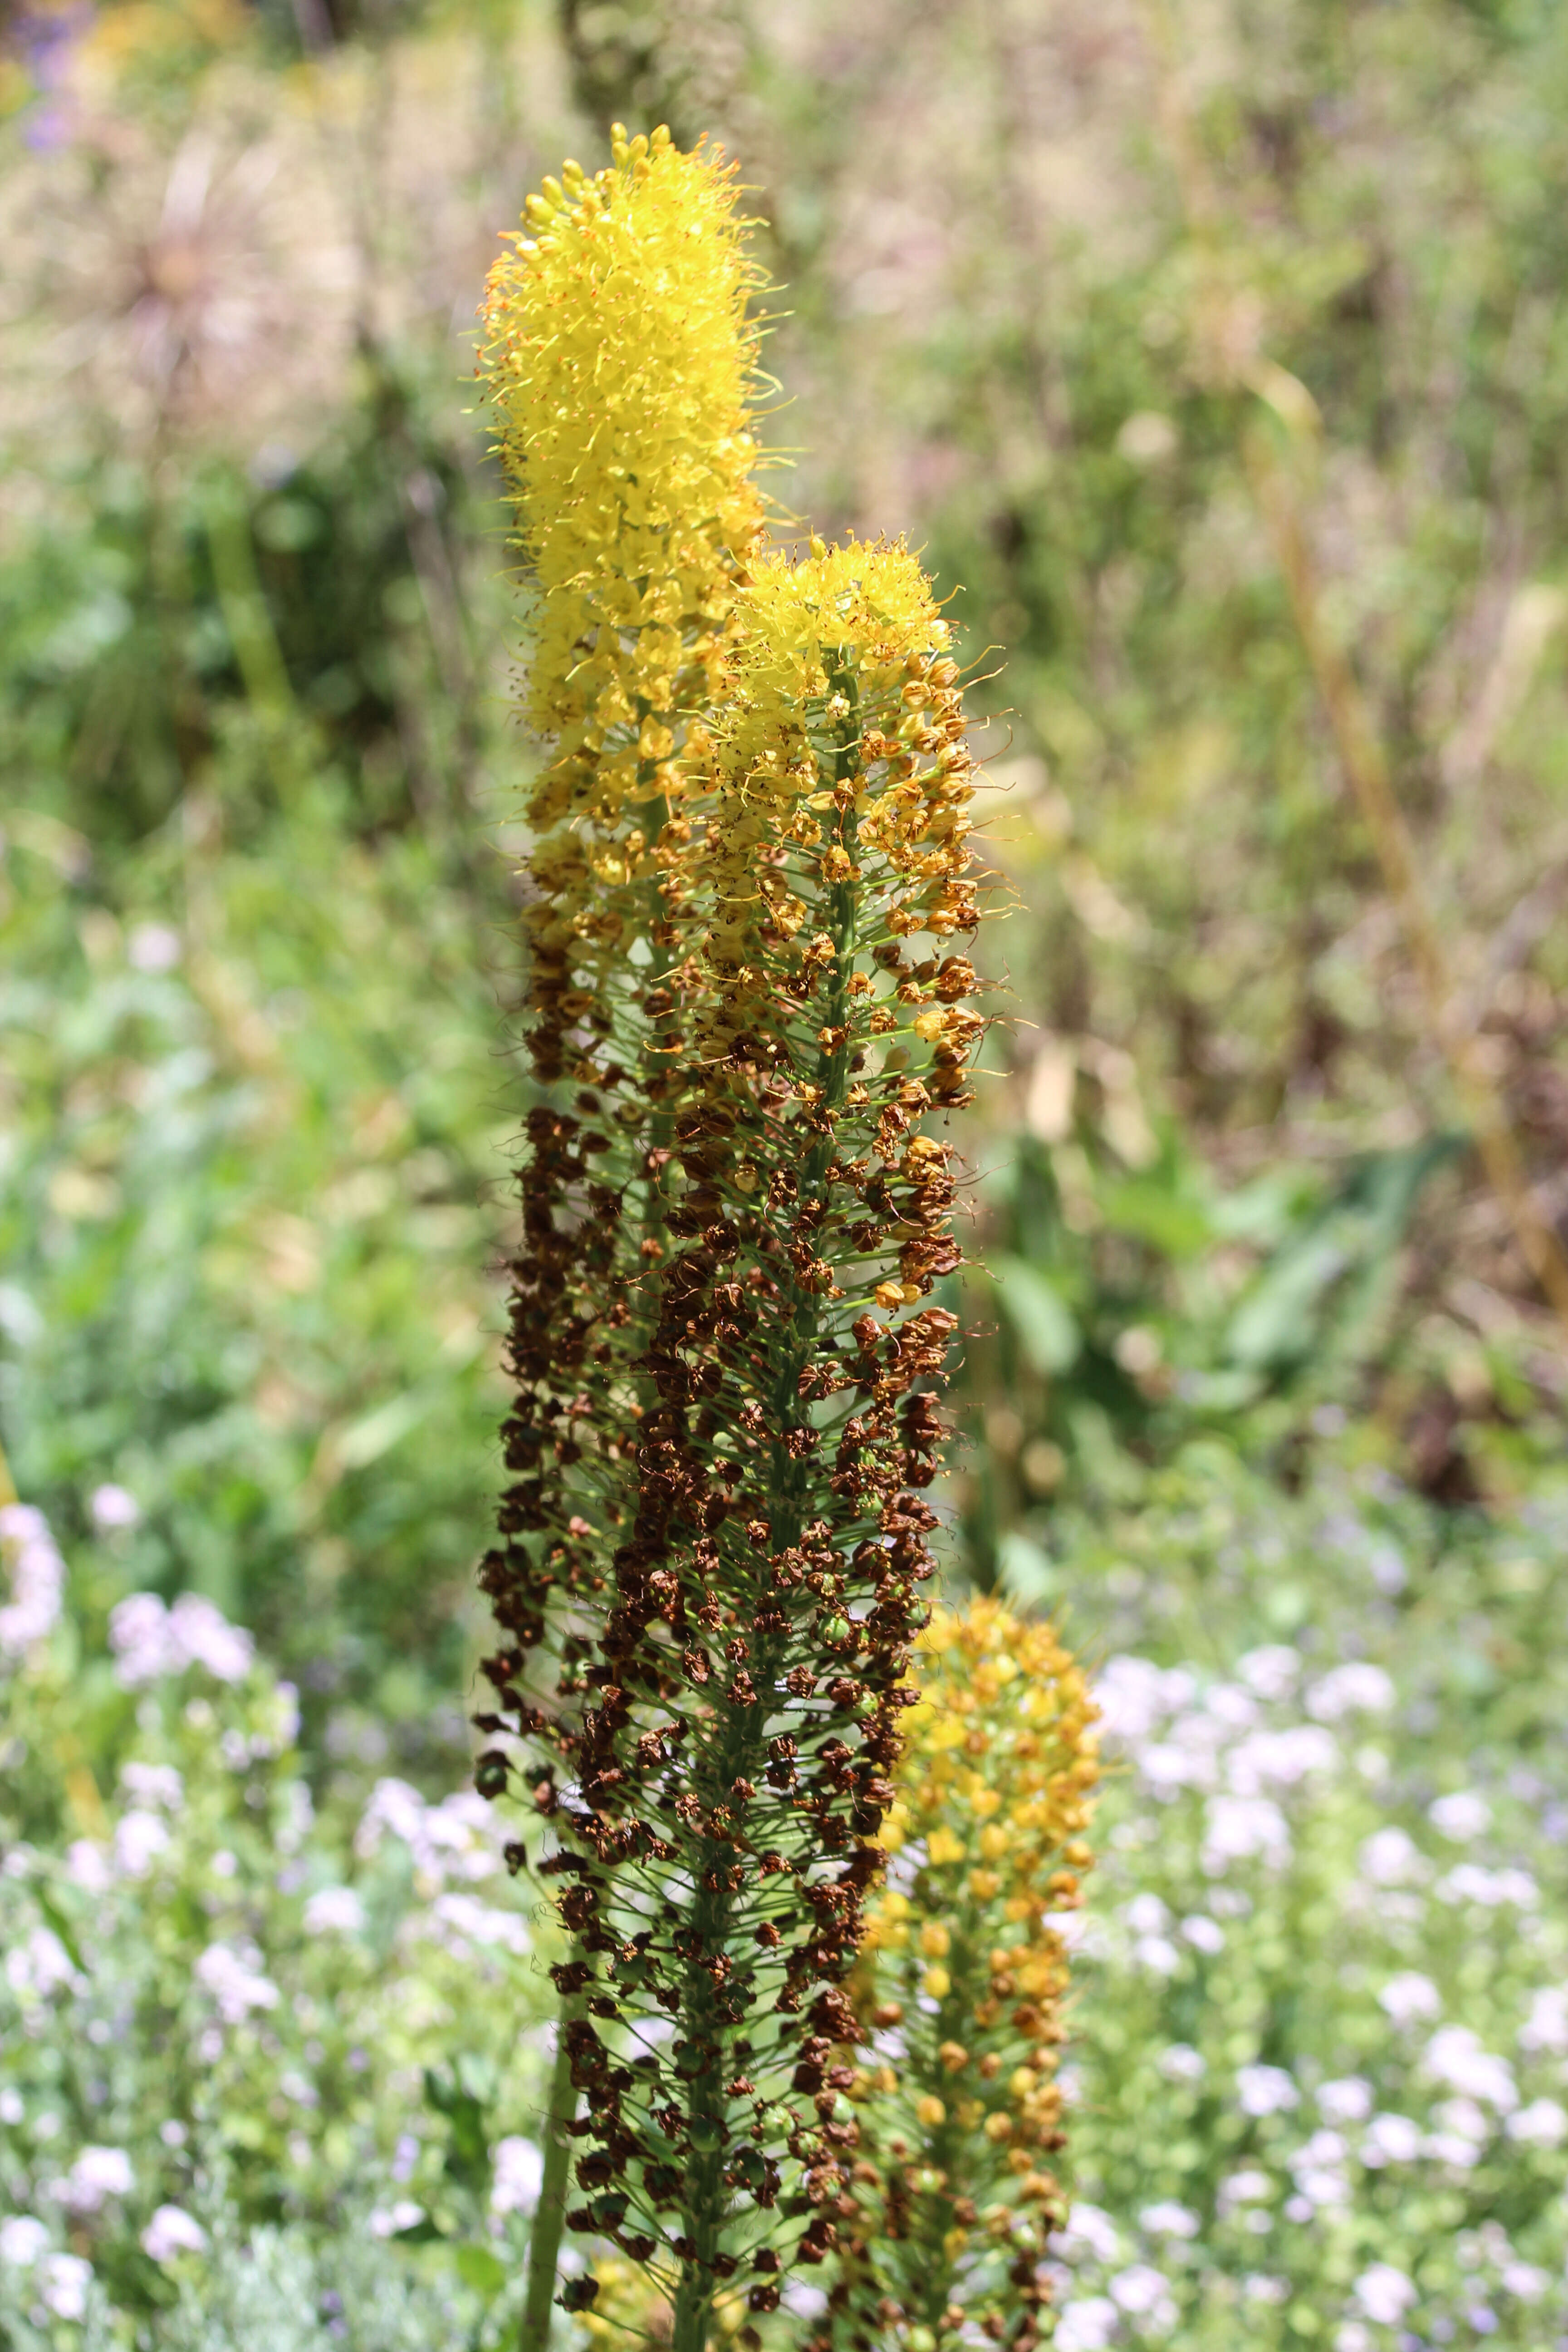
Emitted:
pixel 1244 1803
pixel 151 1640
pixel 37 1579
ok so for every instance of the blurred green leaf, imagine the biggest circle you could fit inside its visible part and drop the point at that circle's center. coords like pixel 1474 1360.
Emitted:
pixel 479 2267
pixel 1037 1312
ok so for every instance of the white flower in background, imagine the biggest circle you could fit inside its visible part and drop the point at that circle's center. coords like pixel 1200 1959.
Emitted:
pixel 296 1813
pixel 1133 1695
pixel 1390 1857
pixel 1470 1882
pixel 170 2231
pixel 1279 1759
pixel 1257 2286
pixel 63 2282
pixel 152 948
pixel 1321 2183
pixel 1157 1955
pixel 1236 1829
pixel 1455 2056
pixel 1346 2101
pixel 334 1910
pixel 1384 2294
pixel 1546 2027
pixel 233 1977
pixel 1463 2133
pixel 518 2175
pixel 1232 1706
pixel 1181 2064
pixel 139 1838
pixel 1089 2231
pixel 1169 1766
pixel 387 2219
pixel 1146 1914
pixel 1144 2293
pixel 138 1636
pixel 203 1637
pixel 149 1640
pixel 1409 1999
pixel 38 1966
pixel 1204 1934
pixel 1353 2337
pixel 38 1580
pixel 395 1806
pixel 1461 1816
pixel 1524 2280
pixel 456 1839
pixel 1391 2139
pixel 153 1784
pixel 113 1508
pixel 460 1921
pixel 1543 2123
pixel 11 2109
pixel 1169 2219
pixel 87 1866
pixel 461 1830
pixel 1265 2090
pixel 98 2173
pixel 1086 2324
pixel 21 2240
pixel 1354 1688
pixel 1249 2186
pixel 1271 1671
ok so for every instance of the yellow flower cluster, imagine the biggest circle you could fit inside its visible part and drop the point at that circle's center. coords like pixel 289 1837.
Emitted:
pixel 961 1986
pixel 844 654
pixel 619 359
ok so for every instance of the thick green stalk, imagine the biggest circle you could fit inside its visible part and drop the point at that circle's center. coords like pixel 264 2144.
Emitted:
pixel 549 2216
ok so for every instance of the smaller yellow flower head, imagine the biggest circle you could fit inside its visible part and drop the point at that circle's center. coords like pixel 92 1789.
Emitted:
pixel 867 597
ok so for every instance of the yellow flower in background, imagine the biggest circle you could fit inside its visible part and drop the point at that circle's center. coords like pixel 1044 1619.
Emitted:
pixel 986 1848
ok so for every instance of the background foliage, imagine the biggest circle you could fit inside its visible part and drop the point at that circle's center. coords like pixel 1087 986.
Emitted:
pixel 1238 1278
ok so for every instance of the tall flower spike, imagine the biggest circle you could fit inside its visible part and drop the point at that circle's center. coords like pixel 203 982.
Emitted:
pixel 714 1535
pixel 618 356
pixel 619 361
pixel 961 1986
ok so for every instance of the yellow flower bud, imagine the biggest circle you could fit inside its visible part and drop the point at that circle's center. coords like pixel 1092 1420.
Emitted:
pixel 936 1939
pixel 930 2111
pixel 938 1983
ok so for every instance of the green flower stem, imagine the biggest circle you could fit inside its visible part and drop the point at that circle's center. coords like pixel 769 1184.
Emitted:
pixel 550 2218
